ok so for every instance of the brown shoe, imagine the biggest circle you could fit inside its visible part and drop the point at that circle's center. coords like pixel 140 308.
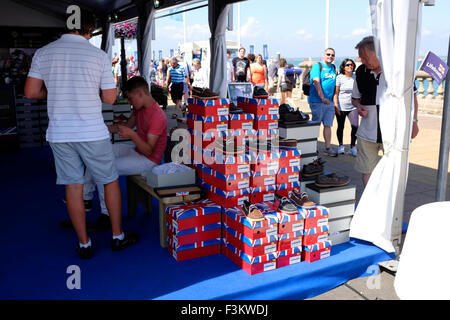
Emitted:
pixel 252 212
pixel 301 199
pixel 314 168
pixel 287 143
pixel 332 180
pixel 228 145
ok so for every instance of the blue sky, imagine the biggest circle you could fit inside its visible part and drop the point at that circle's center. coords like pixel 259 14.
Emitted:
pixel 296 28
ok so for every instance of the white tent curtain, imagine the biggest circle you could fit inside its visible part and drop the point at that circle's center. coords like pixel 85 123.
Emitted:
pixel 110 41
pixel 380 209
pixel 144 63
pixel 218 18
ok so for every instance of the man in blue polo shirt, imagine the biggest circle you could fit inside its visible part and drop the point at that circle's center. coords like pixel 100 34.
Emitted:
pixel 323 83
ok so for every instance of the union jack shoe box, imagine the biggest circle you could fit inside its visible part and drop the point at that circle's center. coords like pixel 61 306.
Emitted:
pixel 226 199
pixel 290 170
pixel 263 194
pixel 258 106
pixel 285 188
pixel 251 265
pixel 194 250
pixel 252 247
pixel 289 158
pixel 266 122
pixel 226 182
pixel 289 256
pixel 259 179
pixel 205 123
pixel 203 140
pixel 198 170
pixel 235 219
pixel 317 251
pixel 291 222
pixel 196 234
pixel 227 164
pixel 285 178
pixel 215 107
pixel 290 240
pixel 261 156
pixel 239 121
pixel 314 235
pixel 190 215
pixel 265 168
pixel 315 217
pixel 269 134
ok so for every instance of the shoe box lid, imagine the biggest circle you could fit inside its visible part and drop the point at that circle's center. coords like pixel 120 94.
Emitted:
pixel 176 232
pixel 290 171
pixel 228 177
pixel 260 102
pixel 317 246
pixel 291 235
pixel 241 116
pixel 209 102
pixel 252 259
pixel 227 194
pixel 267 117
pixel 192 209
pixel 207 119
pixel 226 182
pixel 290 252
pixel 271 219
pixel 267 188
pixel 245 244
pixel 298 125
pixel 194 253
pixel 268 240
pixel 316 230
pixel 288 186
pixel 192 235
pixel 194 245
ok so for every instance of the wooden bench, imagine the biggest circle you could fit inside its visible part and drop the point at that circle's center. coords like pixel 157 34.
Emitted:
pixel 138 191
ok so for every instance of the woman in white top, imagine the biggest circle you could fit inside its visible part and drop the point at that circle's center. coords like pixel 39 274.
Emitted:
pixel 343 104
pixel 201 78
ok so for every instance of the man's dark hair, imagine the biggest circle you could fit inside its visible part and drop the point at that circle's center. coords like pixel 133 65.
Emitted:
pixel 366 43
pixel 88 22
pixel 137 83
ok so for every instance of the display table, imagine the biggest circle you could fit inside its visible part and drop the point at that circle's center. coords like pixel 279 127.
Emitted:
pixel 138 191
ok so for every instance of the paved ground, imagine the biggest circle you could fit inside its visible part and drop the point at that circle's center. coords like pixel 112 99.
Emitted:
pixel 421 189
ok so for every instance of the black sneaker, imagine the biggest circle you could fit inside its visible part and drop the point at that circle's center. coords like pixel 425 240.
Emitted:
pixel 260 93
pixel 285 206
pixel 102 223
pixel 87 204
pixel 130 239
pixel 85 253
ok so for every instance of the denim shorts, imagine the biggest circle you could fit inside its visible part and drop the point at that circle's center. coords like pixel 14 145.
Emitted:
pixel 73 158
pixel 322 113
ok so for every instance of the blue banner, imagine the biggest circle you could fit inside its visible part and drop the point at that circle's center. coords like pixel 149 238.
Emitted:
pixel 160 55
pixel 252 49
pixel 265 52
pixel 171 52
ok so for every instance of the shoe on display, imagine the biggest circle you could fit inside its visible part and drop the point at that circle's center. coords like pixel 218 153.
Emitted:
pixel 260 93
pixel 85 253
pixel 301 199
pixel 285 205
pixel 130 238
pixel 252 212
pixel 341 149
pixel 259 145
pixel 204 93
pixel 353 151
pixel 314 168
pixel 291 143
pixel 228 145
pixel 332 180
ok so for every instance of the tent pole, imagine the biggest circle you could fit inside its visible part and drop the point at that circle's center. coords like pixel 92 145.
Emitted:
pixel 445 140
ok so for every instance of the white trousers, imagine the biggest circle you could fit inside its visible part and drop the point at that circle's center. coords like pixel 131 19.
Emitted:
pixel 128 162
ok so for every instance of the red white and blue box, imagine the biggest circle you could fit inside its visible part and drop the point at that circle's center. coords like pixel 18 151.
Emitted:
pixel 317 251
pixel 241 121
pixel 290 222
pixel 263 194
pixel 205 123
pixel 216 107
pixel 289 157
pixel 194 214
pixel 290 240
pixel 258 106
pixel 252 265
pixel 289 256
pixel 252 247
pixel 314 235
pixel 235 219
pixel 285 178
pixel 226 182
pixel 194 250
pixel 284 188
pixel 226 199
pixel 266 122
pixel 258 178
pixel 261 156
pixel 315 217
pixel 196 234
pixel 227 164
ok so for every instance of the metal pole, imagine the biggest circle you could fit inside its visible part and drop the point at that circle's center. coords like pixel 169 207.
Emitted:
pixel 445 140
pixel 327 23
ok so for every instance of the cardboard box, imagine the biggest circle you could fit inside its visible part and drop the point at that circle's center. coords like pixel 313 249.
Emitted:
pixel 258 106
pixel 314 235
pixel 289 157
pixel 308 130
pixel 263 193
pixel 326 195
pixel 205 123
pixel 171 179
pixel 340 224
pixel 251 265
pixel 291 226
pixel 193 214
pixel 266 122
pixel 197 234
pixel 288 257
pixel 226 182
pixel 339 237
pixel 290 240
pixel 259 179
pixel 226 199
pixel 235 219
pixel 315 217
pixel 307 145
pixel 318 251
pixel 285 178
pixel 241 121
pixel 284 188
pixel 252 247
pixel 217 107
pixel 227 164
pixel 341 209
pixel 194 250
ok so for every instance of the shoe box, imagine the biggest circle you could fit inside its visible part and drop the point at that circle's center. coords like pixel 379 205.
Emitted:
pixel 250 264
pixel 194 250
pixel 289 257
pixel 290 229
pixel 288 174
pixel 252 247
pixel 302 131
pixel 200 123
pixel 317 251
pixel 227 164
pixel 290 240
pixel 289 157
pixel 226 182
pixel 315 217
pixel 307 146
pixel 263 178
pixel 263 193
pixel 340 217
pixel 266 122
pixel 327 195
pixel 213 107
pixel 226 199
pixel 258 106
pixel 307 158
pixel 284 189
pixel 239 121
pixel 316 234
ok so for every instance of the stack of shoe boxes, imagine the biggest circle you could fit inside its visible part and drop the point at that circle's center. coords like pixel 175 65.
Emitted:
pixel 288 177
pixel 340 202
pixel 193 229
pixel 316 244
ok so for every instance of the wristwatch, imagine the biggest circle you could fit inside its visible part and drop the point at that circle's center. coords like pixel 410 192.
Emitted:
pixel 415 120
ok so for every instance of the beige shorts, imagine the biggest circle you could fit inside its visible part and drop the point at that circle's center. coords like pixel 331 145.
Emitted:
pixel 367 157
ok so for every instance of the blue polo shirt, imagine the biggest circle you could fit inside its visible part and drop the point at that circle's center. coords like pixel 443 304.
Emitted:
pixel 327 80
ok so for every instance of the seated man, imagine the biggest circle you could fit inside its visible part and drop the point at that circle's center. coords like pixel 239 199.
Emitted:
pixel 149 140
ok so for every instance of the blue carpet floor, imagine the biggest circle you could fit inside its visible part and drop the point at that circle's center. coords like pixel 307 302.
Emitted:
pixel 37 255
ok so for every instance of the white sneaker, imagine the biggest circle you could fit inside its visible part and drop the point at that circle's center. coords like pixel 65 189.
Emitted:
pixel 341 149
pixel 353 151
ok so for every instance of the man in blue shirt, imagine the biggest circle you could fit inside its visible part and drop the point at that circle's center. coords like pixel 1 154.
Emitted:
pixel 323 83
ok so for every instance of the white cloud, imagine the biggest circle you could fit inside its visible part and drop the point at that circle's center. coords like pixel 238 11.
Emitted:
pixel 426 32
pixel 356 33
pixel 303 34
pixel 252 28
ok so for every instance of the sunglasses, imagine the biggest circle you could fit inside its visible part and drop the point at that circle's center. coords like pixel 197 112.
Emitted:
pixel 350 65
pixel 330 54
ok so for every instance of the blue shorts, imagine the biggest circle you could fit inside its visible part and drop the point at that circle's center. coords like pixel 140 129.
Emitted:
pixel 322 113
pixel 73 158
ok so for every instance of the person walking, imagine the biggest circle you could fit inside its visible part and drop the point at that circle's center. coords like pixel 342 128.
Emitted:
pixel 343 105
pixel 284 86
pixel 241 66
pixel 77 133
pixel 176 76
pixel 323 83
pixel 200 74
pixel 259 73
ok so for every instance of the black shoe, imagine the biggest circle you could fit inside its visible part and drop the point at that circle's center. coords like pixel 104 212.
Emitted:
pixel 130 239
pixel 85 253
pixel 285 205
pixel 87 204
pixel 314 168
pixel 260 93
pixel 102 223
